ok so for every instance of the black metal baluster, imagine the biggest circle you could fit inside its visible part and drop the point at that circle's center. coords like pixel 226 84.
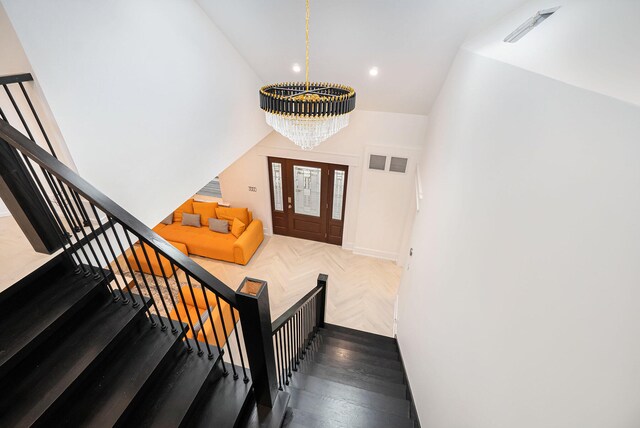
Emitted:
pixel 144 278
pixel 96 238
pixel 25 126
pixel 184 330
pixel 289 351
pixel 163 327
pixel 64 236
pixel 81 210
pixel 35 115
pixel 303 320
pixel 126 260
pixel 204 334
pixel 277 354
pixel 55 185
pixel 215 334
pixel 88 269
pixel 235 329
pixel 174 330
pixel 281 354
pixel 190 321
pixel 294 343
pixel 135 304
pixel 224 332
pixel 96 274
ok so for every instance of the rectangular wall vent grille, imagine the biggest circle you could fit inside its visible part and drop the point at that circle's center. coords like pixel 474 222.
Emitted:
pixel 377 162
pixel 398 165
pixel 530 24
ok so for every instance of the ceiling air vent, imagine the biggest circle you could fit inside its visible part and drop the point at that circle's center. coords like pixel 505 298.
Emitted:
pixel 530 24
pixel 377 162
pixel 398 165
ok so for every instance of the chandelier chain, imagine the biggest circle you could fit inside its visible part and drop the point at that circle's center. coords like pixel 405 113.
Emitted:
pixel 307 47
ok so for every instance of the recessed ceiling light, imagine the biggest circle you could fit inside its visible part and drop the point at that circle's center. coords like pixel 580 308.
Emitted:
pixel 373 71
pixel 296 68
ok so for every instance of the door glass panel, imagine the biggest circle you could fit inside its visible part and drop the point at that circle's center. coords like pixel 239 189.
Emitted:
pixel 276 173
pixel 338 194
pixel 307 190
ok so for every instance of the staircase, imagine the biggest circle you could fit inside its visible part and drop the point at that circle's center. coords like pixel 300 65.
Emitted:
pixel 89 340
pixel 349 378
pixel 72 356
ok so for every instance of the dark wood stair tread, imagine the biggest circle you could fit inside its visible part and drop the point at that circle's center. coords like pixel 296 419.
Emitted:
pixel 224 402
pixel 358 367
pixel 119 384
pixel 47 375
pixel 172 395
pixel 27 323
pixel 354 415
pixel 341 353
pixel 372 340
pixel 339 375
pixel 366 349
pixel 296 418
pixel 351 394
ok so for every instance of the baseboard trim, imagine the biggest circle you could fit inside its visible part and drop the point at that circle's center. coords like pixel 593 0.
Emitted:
pixel 386 255
pixel 412 405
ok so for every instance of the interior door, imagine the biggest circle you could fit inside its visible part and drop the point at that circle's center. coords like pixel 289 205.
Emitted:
pixel 308 199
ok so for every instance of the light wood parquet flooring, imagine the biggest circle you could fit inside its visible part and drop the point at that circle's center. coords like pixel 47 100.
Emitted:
pixel 361 290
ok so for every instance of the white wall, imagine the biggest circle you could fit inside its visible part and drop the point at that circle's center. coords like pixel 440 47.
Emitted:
pixel 375 210
pixel 519 308
pixel 14 61
pixel 152 99
pixel 592 44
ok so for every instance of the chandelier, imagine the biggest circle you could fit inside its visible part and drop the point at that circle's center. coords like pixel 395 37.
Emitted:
pixel 307 113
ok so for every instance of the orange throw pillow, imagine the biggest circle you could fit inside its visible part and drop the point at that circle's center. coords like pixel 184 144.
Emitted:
pixel 206 210
pixel 237 228
pixel 229 214
pixel 187 207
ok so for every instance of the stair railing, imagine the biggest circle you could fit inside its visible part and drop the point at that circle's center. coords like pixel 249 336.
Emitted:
pixel 57 209
pixel 275 349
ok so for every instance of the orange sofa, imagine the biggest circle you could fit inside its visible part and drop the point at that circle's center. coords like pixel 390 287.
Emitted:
pixel 204 242
pixel 199 315
pixel 156 268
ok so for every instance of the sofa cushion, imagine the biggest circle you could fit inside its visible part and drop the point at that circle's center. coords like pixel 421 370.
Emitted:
pixel 220 226
pixel 187 207
pixel 194 313
pixel 199 301
pixel 206 210
pixel 237 228
pixel 229 214
pixel 217 322
pixel 191 220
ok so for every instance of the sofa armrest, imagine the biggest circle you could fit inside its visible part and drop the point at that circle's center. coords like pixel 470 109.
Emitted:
pixel 247 244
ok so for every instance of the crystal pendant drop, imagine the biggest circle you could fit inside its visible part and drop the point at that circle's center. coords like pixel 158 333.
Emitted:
pixel 307 132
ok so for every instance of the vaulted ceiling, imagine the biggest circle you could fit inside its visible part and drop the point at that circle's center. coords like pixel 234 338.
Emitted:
pixel 412 42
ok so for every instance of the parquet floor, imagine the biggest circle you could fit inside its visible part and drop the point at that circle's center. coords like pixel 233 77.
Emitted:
pixel 362 290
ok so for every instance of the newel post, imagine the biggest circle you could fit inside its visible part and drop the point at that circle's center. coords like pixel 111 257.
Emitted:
pixel 253 302
pixel 322 298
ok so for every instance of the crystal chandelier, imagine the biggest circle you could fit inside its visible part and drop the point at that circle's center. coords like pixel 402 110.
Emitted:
pixel 307 113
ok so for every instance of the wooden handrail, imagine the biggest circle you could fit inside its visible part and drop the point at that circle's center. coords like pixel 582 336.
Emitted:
pixel 27 147
pixel 16 78
pixel 282 319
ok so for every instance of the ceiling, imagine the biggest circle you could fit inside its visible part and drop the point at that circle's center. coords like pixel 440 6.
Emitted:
pixel 412 42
